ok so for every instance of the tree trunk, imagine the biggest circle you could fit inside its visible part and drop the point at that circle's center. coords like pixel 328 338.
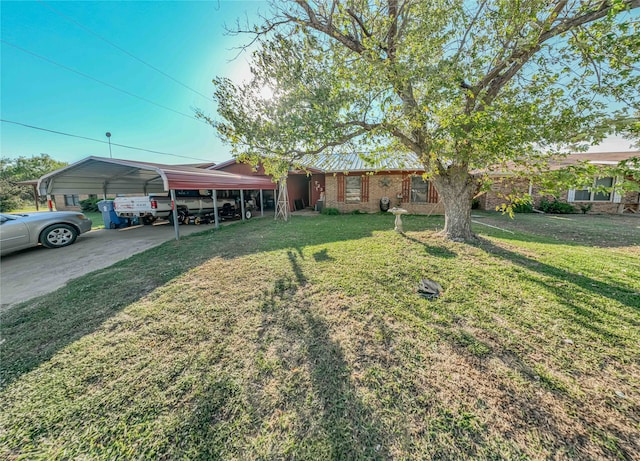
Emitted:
pixel 456 188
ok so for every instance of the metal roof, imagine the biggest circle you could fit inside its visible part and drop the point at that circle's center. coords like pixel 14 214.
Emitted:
pixel 99 175
pixel 349 162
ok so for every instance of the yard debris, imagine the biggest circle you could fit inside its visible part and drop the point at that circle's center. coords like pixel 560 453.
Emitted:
pixel 429 289
pixel 621 394
pixel 567 341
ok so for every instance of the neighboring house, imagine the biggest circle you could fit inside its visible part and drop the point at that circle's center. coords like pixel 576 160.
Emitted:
pixel 609 203
pixel 70 202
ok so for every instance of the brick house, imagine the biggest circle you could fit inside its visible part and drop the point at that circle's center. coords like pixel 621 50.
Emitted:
pixel 345 182
pixel 607 203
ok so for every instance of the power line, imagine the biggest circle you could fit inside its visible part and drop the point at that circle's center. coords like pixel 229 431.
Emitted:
pixel 121 49
pixel 100 141
pixel 100 81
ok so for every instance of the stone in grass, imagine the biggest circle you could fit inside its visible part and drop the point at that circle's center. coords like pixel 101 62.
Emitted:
pixel 429 289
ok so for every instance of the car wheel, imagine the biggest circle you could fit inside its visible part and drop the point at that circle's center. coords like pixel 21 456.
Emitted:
pixel 247 214
pixel 148 220
pixel 58 235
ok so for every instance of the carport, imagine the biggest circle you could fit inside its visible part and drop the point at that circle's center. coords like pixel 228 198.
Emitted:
pixel 104 176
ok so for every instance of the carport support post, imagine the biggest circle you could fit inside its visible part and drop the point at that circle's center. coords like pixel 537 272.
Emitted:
pixel 242 203
pixel 216 220
pixel 174 211
pixel 261 205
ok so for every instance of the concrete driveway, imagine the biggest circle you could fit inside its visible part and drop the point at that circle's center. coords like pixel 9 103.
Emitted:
pixel 37 271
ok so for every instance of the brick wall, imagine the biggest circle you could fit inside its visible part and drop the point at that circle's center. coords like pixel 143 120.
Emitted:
pixel 500 188
pixel 59 203
pixel 506 186
pixel 383 184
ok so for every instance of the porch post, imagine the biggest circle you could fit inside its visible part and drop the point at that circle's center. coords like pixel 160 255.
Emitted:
pixel 216 220
pixel 242 203
pixel 261 205
pixel 49 202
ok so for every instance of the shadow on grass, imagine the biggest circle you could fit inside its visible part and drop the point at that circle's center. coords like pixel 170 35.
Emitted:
pixel 437 251
pixel 570 435
pixel 345 424
pixel 619 294
pixel 35 330
pixel 603 231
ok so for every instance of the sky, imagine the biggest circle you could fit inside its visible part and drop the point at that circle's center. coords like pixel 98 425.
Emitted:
pixel 75 67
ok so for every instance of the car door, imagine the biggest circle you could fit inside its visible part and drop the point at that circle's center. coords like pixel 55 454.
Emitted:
pixel 14 233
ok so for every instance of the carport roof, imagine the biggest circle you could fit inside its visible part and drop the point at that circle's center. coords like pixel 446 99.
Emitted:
pixel 99 175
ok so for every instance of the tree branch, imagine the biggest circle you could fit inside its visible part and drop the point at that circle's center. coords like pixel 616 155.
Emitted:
pixel 468 31
pixel 507 69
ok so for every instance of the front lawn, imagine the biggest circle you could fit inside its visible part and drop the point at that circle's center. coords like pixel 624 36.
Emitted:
pixel 307 340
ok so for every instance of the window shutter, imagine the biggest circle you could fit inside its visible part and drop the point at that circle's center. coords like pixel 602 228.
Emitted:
pixel 340 179
pixel 571 196
pixel 433 194
pixel 364 191
pixel 406 188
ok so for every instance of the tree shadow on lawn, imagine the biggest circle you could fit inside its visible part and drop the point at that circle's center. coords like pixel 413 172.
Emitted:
pixel 623 295
pixel 602 231
pixel 565 427
pixel 300 403
pixel 37 329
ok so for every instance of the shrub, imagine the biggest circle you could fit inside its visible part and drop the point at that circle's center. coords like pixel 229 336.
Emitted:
pixel 90 205
pixel 556 207
pixel 330 211
pixel 475 204
pixel 524 207
pixel 585 208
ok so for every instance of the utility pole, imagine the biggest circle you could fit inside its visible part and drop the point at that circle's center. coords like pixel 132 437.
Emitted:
pixel 109 138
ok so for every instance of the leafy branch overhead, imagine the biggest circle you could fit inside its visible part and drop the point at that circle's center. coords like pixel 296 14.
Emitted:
pixel 463 85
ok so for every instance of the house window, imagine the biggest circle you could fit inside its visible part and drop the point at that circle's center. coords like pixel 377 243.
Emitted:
pixel 589 195
pixel 71 200
pixel 352 186
pixel 419 189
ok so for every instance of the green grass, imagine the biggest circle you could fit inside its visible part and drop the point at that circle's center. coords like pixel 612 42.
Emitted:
pixel 307 340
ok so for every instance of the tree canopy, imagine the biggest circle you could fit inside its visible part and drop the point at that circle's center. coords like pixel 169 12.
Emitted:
pixel 14 170
pixel 467 86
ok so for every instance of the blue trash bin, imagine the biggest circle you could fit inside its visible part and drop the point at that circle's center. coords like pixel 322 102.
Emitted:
pixel 109 217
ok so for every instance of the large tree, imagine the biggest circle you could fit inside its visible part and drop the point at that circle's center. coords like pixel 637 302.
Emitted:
pixel 465 86
pixel 14 170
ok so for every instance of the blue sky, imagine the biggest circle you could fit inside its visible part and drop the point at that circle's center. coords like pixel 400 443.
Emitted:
pixel 184 39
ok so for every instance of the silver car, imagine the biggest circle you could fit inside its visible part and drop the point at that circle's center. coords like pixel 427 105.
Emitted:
pixel 53 229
